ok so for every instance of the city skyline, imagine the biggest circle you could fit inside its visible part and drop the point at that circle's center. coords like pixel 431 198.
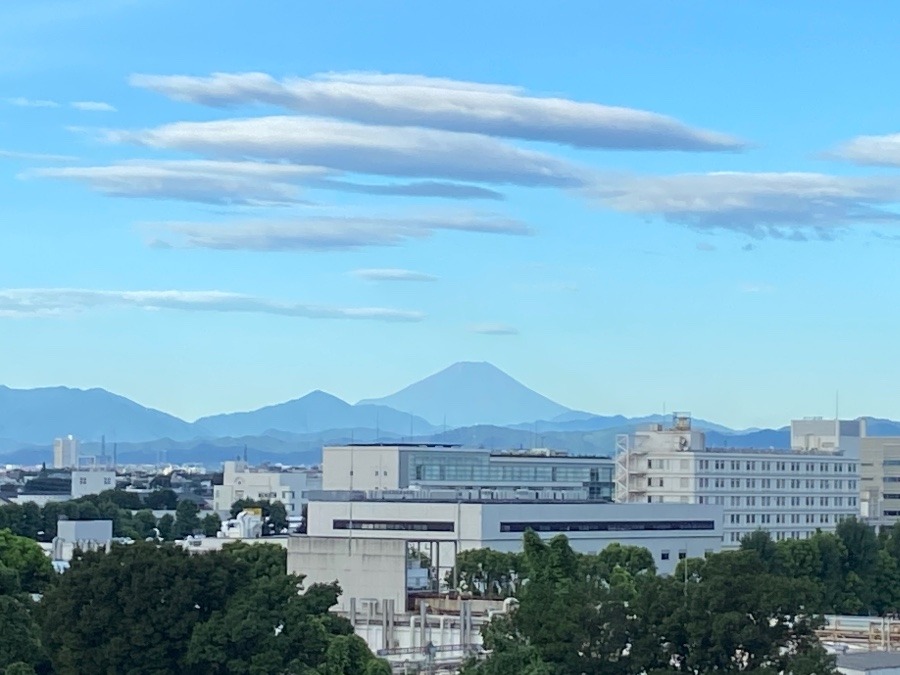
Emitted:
pixel 210 211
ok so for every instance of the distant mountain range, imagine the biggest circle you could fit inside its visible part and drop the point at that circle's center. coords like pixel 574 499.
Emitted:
pixel 474 404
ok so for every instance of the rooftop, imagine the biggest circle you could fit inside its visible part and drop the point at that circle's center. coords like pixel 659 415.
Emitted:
pixel 473 496
pixel 869 660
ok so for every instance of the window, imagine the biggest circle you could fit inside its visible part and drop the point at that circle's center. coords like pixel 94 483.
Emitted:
pixel 683 482
pixel 107 481
pixel 413 525
pixel 682 555
pixel 664 555
pixel 82 481
pixel 606 526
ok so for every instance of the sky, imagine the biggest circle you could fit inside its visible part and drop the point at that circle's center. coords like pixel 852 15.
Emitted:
pixel 628 206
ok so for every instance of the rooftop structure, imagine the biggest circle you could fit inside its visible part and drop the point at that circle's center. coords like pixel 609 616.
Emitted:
pixel 241 481
pixel 791 493
pixel 404 466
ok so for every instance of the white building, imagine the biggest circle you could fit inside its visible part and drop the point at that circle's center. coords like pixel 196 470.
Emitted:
pixel 240 481
pixel 451 521
pixel 789 493
pixel 815 434
pixel 65 453
pixel 403 466
pixel 92 482
pixel 869 663
pixel 86 535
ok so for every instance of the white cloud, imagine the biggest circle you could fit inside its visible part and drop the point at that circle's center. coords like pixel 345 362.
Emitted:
pixel 356 148
pixel 392 274
pixel 493 329
pixel 23 102
pixel 206 181
pixel 782 205
pixel 35 156
pixel 42 302
pixel 247 182
pixel 92 106
pixel 415 100
pixel 871 150
pixel 325 233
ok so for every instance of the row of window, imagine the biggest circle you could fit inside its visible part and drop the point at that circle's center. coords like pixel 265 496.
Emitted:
pixel 766 483
pixel 782 518
pixel 404 525
pixel 767 466
pixel 779 501
pixel 735 537
pixel 609 526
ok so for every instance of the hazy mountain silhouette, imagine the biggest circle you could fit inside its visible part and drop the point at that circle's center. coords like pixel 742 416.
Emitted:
pixel 317 411
pixel 467 394
pixel 40 415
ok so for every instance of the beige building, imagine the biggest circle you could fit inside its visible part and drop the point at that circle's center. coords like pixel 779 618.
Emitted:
pixel 879 470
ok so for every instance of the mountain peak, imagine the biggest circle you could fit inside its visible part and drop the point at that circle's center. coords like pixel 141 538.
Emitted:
pixel 469 393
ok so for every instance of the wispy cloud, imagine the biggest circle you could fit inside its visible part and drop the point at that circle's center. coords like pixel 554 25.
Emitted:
pixel 23 102
pixel 755 287
pixel 377 150
pixel 392 274
pixel 870 150
pixel 206 181
pixel 415 100
pixel 780 205
pixel 326 233
pixel 705 246
pixel 43 302
pixel 92 106
pixel 36 156
pixel 493 329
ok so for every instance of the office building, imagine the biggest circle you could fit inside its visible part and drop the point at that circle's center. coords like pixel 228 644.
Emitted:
pixel 290 487
pixel 92 482
pixel 65 453
pixel 879 475
pixel 789 493
pixel 405 466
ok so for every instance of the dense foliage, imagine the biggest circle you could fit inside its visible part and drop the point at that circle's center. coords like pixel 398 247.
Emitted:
pixel 155 608
pixel 613 615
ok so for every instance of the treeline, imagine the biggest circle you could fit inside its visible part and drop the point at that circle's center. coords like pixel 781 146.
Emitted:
pixel 131 515
pixel 611 614
pixel 155 609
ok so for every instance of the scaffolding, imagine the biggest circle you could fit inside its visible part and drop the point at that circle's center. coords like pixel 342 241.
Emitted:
pixel 631 469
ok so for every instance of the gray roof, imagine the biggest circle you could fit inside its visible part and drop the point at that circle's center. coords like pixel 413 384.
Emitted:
pixel 869 660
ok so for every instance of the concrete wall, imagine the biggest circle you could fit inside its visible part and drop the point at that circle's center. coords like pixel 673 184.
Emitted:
pixel 364 568
pixel 288 487
pixel 92 482
pixel 372 467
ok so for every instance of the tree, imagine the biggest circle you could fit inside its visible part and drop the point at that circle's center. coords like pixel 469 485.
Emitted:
pixel 26 558
pixel 133 609
pixel 161 500
pixel 143 522
pixel 20 646
pixel 211 524
pixel 262 560
pixel 187 520
pixel 166 527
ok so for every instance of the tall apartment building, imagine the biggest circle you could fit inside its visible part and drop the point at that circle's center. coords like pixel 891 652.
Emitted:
pixel 240 481
pixel 65 453
pixel 405 466
pixel 789 493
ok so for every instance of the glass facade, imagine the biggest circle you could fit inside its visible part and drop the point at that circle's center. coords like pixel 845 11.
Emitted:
pixel 594 475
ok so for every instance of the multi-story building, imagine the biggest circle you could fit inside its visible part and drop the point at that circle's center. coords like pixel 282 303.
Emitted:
pixel 65 453
pixel 92 482
pixel 290 487
pixel 879 476
pixel 405 466
pixel 789 493
pixel 815 434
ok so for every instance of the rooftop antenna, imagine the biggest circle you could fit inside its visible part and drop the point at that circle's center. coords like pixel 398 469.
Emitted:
pixel 377 426
pixel 115 455
pixel 410 427
pixel 245 453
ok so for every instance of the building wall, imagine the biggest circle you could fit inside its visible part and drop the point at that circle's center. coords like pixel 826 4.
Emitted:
pixel 790 494
pixel 364 568
pixel 241 482
pixel 500 526
pixel 361 468
pixel 879 470
pixel 828 435
pixel 92 482
pixel 65 453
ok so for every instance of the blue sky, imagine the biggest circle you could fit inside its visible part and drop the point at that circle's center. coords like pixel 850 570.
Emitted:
pixel 212 207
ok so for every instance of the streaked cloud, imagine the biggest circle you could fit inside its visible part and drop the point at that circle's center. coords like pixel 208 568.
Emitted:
pixel 23 102
pixel 325 233
pixel 376 150
pixel 392 274
pixel 453 105
pixel 43 302
pixel 779 205
pixel 493 329
pixel 206 181
pixel 870 150
pixel 755 287
pixel 92 106
pixel 35 156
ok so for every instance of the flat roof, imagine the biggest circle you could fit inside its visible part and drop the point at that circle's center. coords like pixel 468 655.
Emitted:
pixel 869 660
